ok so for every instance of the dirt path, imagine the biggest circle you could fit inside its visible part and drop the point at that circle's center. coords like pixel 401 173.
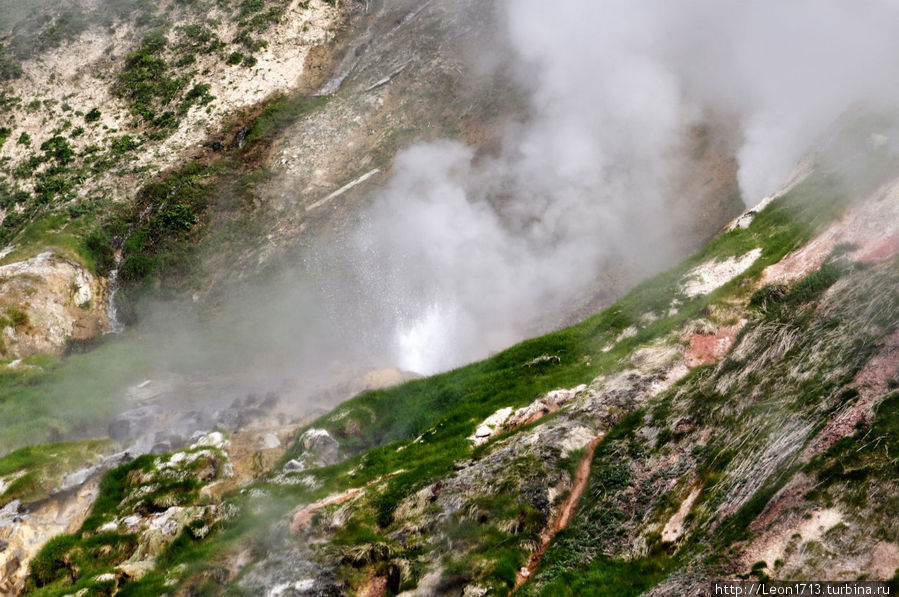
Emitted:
pixel 303 517
pixel 581 476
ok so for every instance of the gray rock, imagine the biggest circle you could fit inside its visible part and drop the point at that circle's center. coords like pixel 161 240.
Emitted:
pixel 134 423
pixel 294 466
pixel 320 447
pixel 79 477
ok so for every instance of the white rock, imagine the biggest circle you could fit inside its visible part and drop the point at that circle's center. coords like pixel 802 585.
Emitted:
pixel 294 465
pixel 711 275
pixel 214 439
pixel 483 431
pixel 498 418
pixel 269 441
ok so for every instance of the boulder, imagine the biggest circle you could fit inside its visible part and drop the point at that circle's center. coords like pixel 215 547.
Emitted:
pixel 49 300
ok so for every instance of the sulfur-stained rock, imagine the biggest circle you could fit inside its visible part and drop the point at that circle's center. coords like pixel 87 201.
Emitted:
pixel 46 301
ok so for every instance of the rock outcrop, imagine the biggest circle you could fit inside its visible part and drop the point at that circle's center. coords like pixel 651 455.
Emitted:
pixel 47 301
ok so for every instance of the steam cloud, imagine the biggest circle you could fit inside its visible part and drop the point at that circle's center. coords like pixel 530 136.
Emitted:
pixel 466 255
pixel 462 254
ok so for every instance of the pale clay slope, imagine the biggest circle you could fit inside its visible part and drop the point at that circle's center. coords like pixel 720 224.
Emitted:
pixel 80 75
pixel 709 276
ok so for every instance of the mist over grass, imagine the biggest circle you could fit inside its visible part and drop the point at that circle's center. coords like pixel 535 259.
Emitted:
pixel 464 253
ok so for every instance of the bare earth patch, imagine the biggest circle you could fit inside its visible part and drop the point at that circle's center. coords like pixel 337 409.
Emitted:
pixel 713 274
pixel 705 349
pixel 871 227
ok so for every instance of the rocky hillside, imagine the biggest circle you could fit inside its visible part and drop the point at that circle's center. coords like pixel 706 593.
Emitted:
pixel 732 417
pixel 191 144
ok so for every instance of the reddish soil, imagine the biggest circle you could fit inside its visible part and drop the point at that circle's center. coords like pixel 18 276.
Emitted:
pixel 706 349
pixel 376 587
pixel 872 226
pixel 883 250
pixel 581 476
pixel 303 518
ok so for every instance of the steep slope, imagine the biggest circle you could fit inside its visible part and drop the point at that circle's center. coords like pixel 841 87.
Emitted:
pixel 256 188
pixel 192 144
pixel 732 417
pixel 735 418
pixel 98 98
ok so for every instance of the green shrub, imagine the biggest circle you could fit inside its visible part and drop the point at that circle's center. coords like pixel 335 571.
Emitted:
pixel 235 58
pixel 24 139
pixel 123 144
pixel 179 217
pixel 51 563
pixel 59 149
pixel 148 85
pixel 17 317
pixel 11 196
pixel 199 39
pixel 137 268
pixel 93 115
pixel 248 7
pixel 50 187
pixel 198 94
pixel 98 245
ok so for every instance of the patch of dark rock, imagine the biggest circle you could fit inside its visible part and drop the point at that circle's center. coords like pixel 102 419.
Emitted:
pixel 133 423
pixel 240 138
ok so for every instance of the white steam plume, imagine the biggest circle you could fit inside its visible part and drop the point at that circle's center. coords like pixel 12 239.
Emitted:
pixel 466 255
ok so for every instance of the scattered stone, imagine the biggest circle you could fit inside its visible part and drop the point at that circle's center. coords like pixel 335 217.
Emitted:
pixel 136 570
pixel 544 358
pixel 504 419
pixel 491 426
pixel 684 425
pixel 483 431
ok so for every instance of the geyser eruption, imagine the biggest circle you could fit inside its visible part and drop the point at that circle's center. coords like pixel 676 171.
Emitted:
pixel 472 253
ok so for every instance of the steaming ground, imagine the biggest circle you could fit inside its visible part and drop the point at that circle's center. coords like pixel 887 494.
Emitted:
pixel 464 254
pixel 468 255
pixel 466 251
